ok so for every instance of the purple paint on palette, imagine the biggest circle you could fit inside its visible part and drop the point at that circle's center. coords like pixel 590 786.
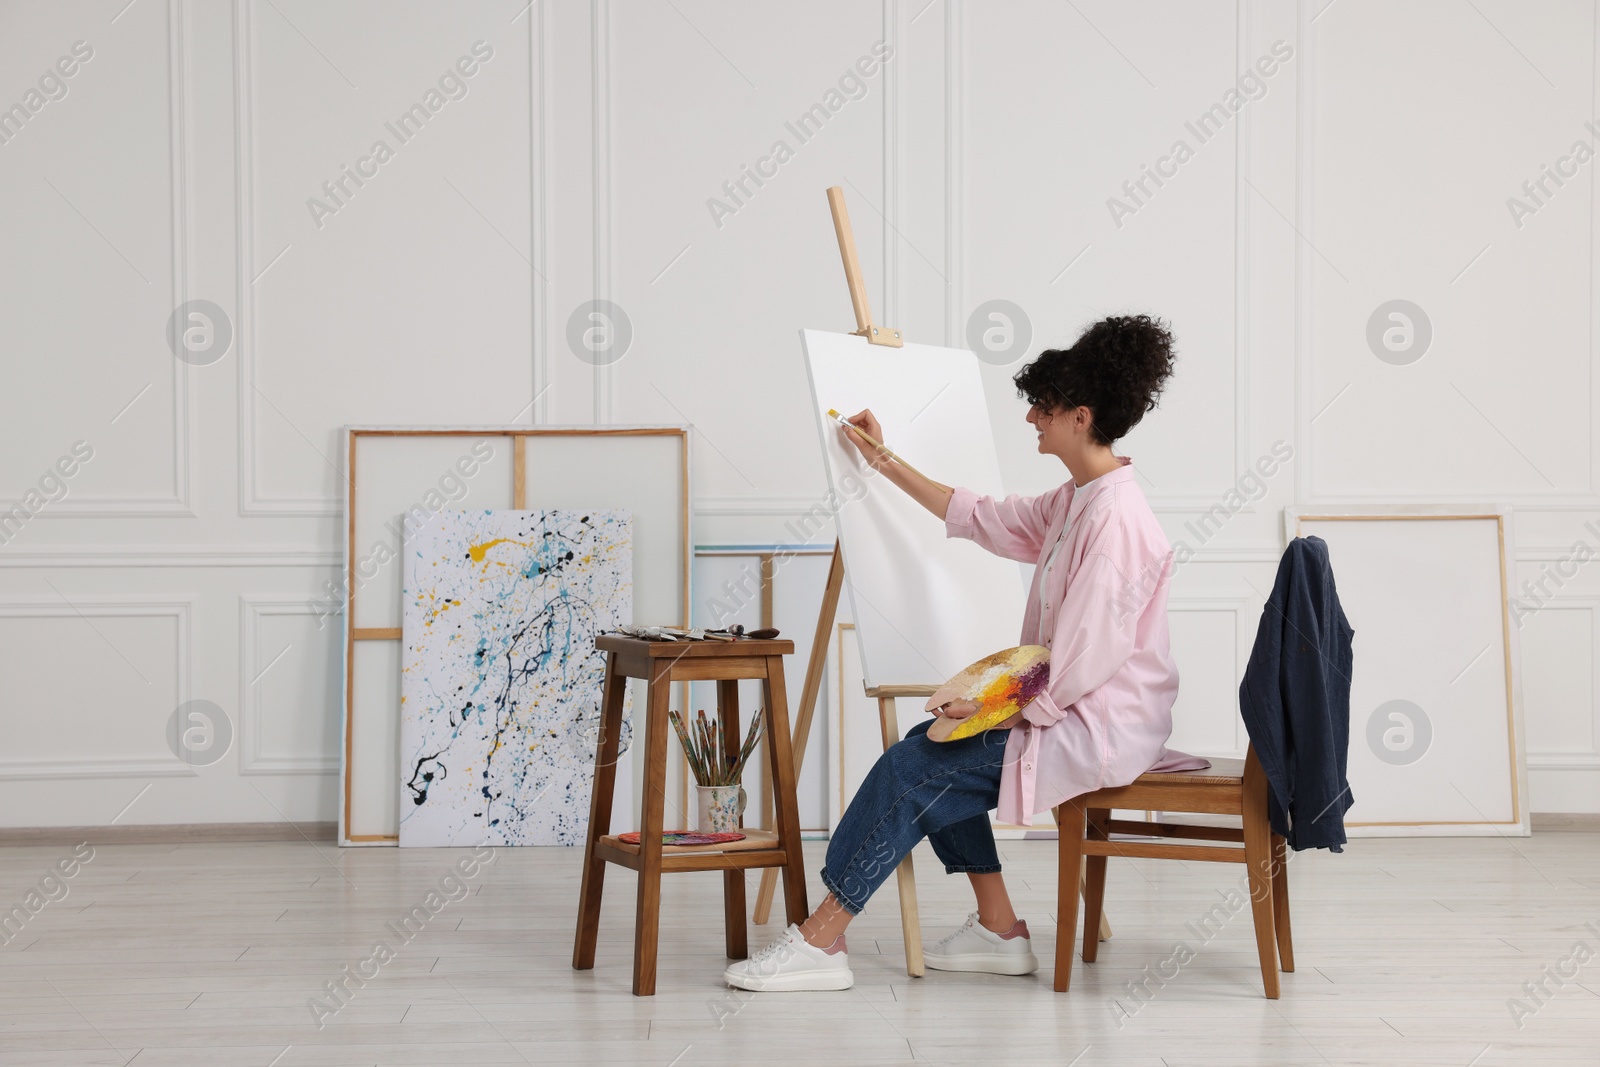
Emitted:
pixel 1033 681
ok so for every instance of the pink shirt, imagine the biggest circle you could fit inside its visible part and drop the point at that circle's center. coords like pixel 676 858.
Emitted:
pixel 1101 609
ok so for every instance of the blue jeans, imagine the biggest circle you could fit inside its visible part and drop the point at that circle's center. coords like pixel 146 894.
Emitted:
pixel 918 788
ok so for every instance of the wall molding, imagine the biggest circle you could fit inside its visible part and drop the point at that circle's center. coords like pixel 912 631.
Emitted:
pixel 955 244
pixel 954 172
pixel 1306 493
pixel 1240 607
pixel 600 86
pixel 251 504
pixel 98 769
pixel 1563 763
pixel 169 833
pixel 1303 154
pixel 1243 417
pixel 792 507
pixel 178 505
pixel 146 555
pixel 773 506
pixel 1579 822
pixel 1568 760
pixel 891 165
pixel 108 607
pixel 539 210
pixel 1242 203
pixel 252 760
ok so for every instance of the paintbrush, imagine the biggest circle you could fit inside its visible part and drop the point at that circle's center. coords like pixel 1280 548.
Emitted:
pixel 689 751
pixel 748 747
pixel 708 744
pixel 880 446
pixel 707 750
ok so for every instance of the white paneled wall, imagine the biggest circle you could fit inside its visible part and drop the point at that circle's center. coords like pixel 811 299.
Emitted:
pixel 671 158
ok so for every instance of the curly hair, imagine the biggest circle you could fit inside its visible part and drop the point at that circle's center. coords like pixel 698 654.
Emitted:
pixel 1116 368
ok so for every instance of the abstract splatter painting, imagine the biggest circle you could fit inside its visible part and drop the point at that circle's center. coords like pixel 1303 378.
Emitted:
pixel 500 680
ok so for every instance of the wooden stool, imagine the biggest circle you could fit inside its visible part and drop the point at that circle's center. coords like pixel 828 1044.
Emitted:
pixel 661 663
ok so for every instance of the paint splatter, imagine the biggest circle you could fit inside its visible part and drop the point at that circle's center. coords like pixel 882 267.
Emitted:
pixel 501 681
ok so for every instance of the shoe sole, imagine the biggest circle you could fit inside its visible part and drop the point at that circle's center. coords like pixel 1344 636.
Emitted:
pixel 818 982
pixel 984 964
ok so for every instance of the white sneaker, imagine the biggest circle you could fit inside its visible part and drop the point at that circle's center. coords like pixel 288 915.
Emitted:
pixel 790 963
pixel 976 948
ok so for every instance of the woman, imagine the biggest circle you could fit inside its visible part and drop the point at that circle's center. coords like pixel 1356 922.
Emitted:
pixel 1098 602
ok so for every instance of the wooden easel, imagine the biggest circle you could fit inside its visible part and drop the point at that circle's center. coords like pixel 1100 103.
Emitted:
pixel 910 922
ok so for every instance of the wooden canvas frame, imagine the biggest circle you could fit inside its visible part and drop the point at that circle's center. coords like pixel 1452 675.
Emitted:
pixel 1520 822
pixel 517 437
pixel 767 564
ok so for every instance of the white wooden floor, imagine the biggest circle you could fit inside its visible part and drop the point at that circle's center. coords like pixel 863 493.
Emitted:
pixel 208 954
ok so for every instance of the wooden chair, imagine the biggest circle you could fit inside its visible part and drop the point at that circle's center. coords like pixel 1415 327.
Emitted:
pixel 1227 787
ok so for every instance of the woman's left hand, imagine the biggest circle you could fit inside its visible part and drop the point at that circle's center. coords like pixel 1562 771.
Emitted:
pixel 957 709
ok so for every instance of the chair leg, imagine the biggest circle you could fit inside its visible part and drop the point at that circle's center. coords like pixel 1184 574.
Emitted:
pixel 600 798
pixel 735 931
pixel 1258 863
pixel 904 875
pixel 1094 887
pixel 1280 903
pixel 1070 818
pixel 1083 883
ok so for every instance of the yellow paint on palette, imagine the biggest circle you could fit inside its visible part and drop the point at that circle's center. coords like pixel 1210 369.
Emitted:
pixel 1001 685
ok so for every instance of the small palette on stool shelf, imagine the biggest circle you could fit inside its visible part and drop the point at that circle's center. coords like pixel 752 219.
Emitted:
pixel 683 837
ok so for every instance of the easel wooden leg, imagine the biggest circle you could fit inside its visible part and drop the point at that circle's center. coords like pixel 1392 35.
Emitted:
pixel 605 777
pixel 732 880
pixel 808 705
pixel 647 915
pixel 905 876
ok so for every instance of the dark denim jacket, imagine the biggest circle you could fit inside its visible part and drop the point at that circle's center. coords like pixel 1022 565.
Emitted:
pixel 1295 699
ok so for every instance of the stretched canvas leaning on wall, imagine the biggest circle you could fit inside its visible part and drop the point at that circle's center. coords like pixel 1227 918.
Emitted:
pixel 500 680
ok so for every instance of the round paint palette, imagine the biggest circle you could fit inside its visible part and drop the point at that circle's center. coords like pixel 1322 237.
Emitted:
pixel 1001 685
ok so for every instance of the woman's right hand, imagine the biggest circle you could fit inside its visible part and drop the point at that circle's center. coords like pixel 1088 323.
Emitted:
pixel 867 422
pixel 924 490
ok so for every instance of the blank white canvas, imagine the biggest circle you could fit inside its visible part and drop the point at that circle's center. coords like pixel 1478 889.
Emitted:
pixel 1426 602
pixel 925 605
